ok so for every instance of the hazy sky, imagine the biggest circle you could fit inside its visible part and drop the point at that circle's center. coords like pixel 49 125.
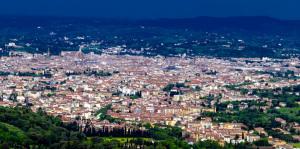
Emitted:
pixel 286 9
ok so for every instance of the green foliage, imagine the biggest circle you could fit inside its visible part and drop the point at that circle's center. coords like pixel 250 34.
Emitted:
pixel 99 73
pixel 197 88
pixel 281 135
pixel 165 133
pixel 222 107
pixel 251 118
pixel 24 74
pixel 279 74
pixel 170 86
pixel 13 97
pixel 103 111
pixel 2 73
pixel 296 145
pixel 102 114
pixel 262 142
pixel 22 128
pixel 235 86
pixel 210 144
pixel 285 94
pixel 207 145
pixel 12 134
pixel 32 128
pixel 134 97
pixel 290 114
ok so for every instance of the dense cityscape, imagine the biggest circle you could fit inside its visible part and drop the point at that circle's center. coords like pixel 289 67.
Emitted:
pixel 159 74
pixel 232 101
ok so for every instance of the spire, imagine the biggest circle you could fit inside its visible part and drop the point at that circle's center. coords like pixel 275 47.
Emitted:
pixel 80 54
pixel 49 52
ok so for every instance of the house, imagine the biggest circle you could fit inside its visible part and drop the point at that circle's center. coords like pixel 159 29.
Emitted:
pixel 230 106
pixel 281 121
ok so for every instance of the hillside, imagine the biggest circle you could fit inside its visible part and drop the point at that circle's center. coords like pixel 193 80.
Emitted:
pixel 201 36
pixel 22 128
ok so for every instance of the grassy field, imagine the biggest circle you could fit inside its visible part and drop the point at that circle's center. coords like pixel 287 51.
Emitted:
pixel 123 140
pixel 291 113
pixel 11 133
pixel 118 139
pixel 296 145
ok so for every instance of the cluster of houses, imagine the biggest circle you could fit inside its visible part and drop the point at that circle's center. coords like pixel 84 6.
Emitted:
pixel 135 89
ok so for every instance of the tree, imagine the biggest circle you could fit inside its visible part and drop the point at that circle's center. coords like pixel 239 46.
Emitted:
pixel 262 142
pixel 13 97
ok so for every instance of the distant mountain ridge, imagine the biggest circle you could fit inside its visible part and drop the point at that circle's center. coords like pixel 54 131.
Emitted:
pixel 255 36
pixel 251 23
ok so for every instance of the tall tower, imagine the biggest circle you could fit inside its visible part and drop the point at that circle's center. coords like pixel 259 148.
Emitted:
pixel 48 54
pixel 80 54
